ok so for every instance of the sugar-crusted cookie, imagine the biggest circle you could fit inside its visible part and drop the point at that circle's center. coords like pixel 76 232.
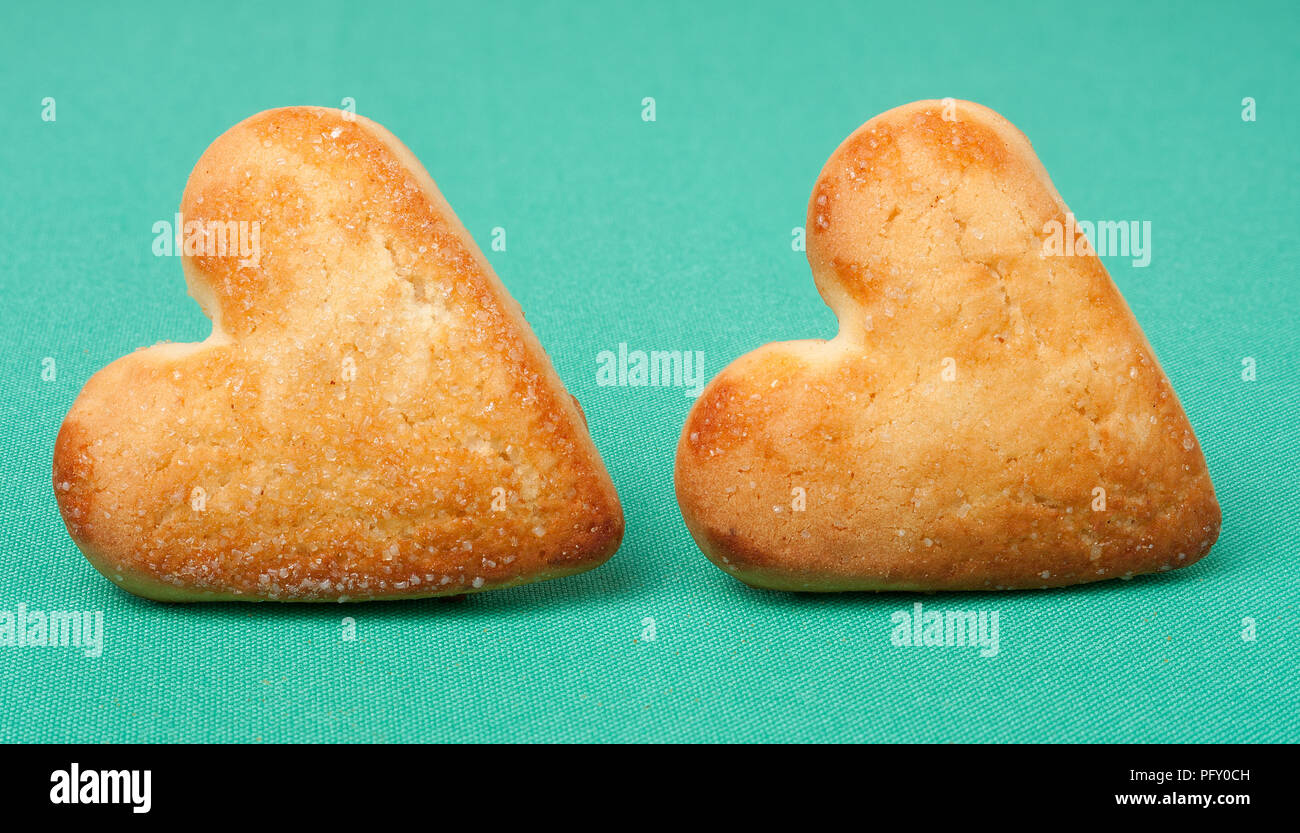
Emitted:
pixel 989 414
pixel 371 417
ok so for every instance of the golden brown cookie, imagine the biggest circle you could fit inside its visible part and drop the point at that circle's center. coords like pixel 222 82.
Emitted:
pixel 371 417
pixel 989 414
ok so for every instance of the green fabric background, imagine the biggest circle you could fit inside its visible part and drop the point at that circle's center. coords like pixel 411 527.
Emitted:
pixel 666 235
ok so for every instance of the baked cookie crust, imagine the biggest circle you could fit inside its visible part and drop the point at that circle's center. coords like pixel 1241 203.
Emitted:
pixel 981 399
pixel 371 417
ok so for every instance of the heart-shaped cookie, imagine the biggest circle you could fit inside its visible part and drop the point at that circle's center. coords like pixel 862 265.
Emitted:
pixel 370 418
pixel 989 414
